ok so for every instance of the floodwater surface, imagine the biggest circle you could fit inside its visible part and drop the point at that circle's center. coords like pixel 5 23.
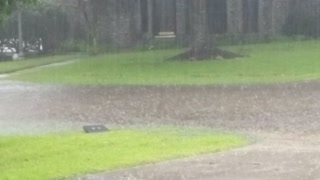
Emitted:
pixel 30 108
pixel 283 118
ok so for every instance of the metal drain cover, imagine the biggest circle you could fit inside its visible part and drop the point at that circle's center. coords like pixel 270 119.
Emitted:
pixel 95 129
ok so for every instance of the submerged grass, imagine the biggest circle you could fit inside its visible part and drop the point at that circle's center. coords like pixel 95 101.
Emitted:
pixel 265 63
pixel 60 156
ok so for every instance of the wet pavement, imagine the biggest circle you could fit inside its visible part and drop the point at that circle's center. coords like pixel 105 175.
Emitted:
pixel 284 118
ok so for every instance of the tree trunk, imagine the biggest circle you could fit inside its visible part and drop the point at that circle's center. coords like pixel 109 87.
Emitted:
pixel 182 22
pixel 235 17
pixel 201 42
pixel 265 18
pixel 150 8
pixel 202 46
pixel 250 16
pixel 91 21
pixel 20 34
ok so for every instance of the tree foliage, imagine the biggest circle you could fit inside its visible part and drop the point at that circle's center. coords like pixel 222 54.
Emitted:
pixel 7 6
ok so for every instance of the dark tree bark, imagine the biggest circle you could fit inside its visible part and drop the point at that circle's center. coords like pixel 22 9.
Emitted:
pixel 202 46
pixel 250 16
pixel 200 28
pixel 266 18
pixel 125 27
pixel 150 13
pixel 91 22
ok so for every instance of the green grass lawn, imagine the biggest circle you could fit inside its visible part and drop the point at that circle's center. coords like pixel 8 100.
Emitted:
pixel 12 66
pixel 68 155
pixel 266 63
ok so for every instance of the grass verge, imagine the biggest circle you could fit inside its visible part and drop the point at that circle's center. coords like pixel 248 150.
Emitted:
pixel 59 156
pixel 266 63
pixel 13 66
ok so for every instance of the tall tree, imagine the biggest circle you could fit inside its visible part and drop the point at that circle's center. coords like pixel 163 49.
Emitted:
pixel 89 10
pixel 203 45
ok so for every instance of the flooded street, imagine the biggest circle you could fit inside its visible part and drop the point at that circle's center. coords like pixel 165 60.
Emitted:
pixel 283 120
pixel 274 108
pixel 245 67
